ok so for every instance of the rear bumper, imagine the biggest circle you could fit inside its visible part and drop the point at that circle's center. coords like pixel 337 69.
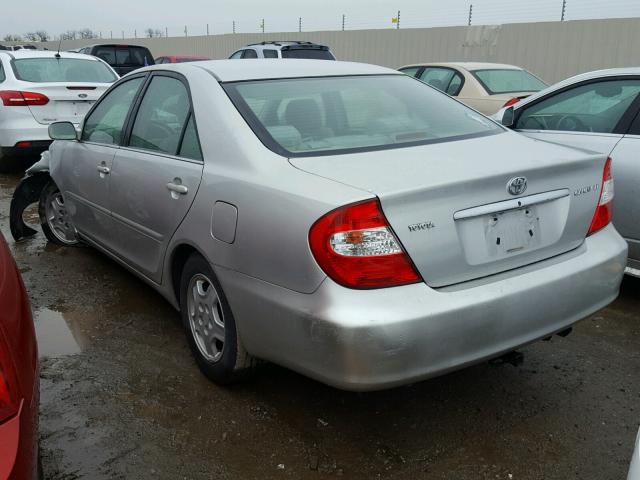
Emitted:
pixel 374 339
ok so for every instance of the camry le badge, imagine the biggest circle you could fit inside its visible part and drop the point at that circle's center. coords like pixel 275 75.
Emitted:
pixel 517 185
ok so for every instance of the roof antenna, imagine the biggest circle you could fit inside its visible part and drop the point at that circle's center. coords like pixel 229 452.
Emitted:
pixel 57 55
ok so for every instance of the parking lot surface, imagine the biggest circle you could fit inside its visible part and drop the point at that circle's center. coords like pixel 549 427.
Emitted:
pixel 122 397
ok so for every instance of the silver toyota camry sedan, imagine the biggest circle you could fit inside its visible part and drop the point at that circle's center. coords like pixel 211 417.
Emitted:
pixel 343 220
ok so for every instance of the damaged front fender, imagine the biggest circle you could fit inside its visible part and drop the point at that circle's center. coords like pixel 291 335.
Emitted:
pixel 27 192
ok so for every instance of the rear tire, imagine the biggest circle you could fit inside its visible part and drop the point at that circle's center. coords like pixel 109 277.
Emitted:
pixel 54 217
pixel 209 324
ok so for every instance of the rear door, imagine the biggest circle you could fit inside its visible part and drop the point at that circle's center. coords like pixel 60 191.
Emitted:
pixel 85 173
pixel 156 175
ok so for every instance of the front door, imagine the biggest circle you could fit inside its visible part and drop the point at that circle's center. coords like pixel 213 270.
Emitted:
pixel 85 174
pixel 156 175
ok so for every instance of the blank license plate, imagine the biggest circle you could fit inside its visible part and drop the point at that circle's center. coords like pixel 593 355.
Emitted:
pixel 512 231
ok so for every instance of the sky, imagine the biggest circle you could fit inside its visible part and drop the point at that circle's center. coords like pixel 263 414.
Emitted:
pixel 115 17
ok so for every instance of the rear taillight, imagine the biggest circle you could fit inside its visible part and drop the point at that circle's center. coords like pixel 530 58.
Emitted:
pixel 14 98
pixel 511 101
pixel 9 401
pixel 356 247
pixel 604 210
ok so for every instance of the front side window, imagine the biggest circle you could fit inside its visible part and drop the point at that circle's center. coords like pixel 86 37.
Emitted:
pixel 508 80
pixel 310 116
pixel 51 69
pixel 594 107
pixel 162 116
pixel 270 53
pixel 106 122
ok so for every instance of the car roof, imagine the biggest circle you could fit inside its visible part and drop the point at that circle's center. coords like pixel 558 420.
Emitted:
pixel 470 66
pixel 279 43
pixel 262 69
pixel 18 54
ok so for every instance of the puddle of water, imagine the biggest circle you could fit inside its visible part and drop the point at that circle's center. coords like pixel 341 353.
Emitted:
pixel 53 334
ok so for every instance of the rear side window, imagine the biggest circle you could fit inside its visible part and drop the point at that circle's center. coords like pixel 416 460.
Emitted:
pixel 594 107
pixel 238 54
pixel 105 123
pixel 411 71
pixel 508 81
pixel 270 53
pixel 2 75
pixel 190 147
pixel 444 79
pixel 50 69
pixel 162 116
pixel 309 53
pixel 249 53
pixel 108 54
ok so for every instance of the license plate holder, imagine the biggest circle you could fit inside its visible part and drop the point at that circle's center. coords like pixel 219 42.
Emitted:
pixel 512 231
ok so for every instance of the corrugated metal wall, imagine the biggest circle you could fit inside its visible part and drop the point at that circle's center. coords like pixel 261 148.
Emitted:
pixel 552 50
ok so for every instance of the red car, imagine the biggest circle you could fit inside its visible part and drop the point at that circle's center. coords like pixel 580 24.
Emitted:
pixel 179 59
pixel 19 387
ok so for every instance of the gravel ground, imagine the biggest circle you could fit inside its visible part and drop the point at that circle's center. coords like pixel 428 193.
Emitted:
pixel 122 398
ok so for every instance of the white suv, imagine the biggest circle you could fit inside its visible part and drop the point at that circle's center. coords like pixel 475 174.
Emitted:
pixel 41 87
pixel 285 49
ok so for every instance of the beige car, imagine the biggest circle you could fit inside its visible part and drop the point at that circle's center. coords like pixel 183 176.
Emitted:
pixel 487 87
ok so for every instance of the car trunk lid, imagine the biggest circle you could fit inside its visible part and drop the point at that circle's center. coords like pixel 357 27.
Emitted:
pixel 449 205
pixel 68 101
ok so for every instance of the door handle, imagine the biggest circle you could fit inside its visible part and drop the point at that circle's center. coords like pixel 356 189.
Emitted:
pixel 177 188
pixel 103 169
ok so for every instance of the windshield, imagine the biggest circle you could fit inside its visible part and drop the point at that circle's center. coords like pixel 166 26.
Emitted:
pixel 508 81
pixel 311 116
pixel 308 53
pixel 50 69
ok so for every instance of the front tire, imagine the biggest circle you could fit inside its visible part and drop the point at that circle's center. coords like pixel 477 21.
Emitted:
pixel 54 217
pixel 209 324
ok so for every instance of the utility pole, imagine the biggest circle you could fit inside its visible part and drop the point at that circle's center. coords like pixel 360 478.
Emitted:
pixel 111 32
pixel 398 22
pixel 123 34
pixel 343 19
pixel 185 31
pixel 564 8
pixel 470 13
pixel 207 29
pixel 100 34
pixel 135 34
pixel 262 25
pixel 234 26
pixel 299 24
pixel 166 32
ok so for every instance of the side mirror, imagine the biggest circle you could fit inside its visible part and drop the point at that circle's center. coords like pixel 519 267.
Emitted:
pixel 508 117
pixel 62 131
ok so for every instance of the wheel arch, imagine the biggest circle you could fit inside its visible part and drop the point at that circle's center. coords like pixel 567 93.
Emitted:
pixel 179 255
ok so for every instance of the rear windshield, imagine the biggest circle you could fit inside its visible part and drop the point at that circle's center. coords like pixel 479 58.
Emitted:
pixel 509 81
pixel 307 53
pixel 329 115
pixel 62 70
pixel 124 56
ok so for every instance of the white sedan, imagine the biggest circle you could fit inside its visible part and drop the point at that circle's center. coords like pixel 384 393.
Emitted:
pixel 38 88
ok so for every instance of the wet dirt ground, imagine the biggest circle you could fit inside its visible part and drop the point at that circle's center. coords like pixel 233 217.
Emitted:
pixel 122 398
